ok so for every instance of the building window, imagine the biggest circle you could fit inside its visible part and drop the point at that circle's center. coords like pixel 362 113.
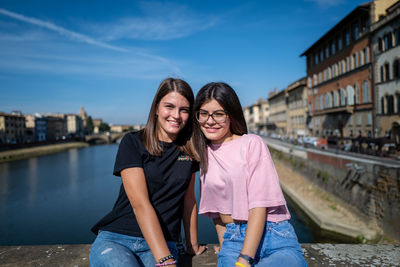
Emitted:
pixel 328 100
pixel 339 43
pixel 356 63
pixel 321 102
pixel 398 102
pixel 382 105
pixel 309 82
pixel 364 24
pixel 355 30
pixel 388 41
pixel 366 55
pixel 350 95
pixel 358 119
pixel 347 37
pixel 390 104
pixel 316 102
pixel 326 51
pixel 321 55
pixel 382 71
pixel 362 58
pixel 369 119
pixel 320 77
pixel 335 70
pixel 316 59
pixel 335 98
pixel 396 69
pixel 365 92
pixel 396 37
pixel 387 73
pixel 342 97
pixel 315 79
pixel 353 62
pixel 347 64
pixel 333 47
pixel 357 93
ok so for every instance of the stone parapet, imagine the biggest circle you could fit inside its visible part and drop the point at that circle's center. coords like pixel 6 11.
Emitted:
pixel 315 254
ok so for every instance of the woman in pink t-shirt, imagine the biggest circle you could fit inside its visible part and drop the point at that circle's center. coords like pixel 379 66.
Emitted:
pixel 240 188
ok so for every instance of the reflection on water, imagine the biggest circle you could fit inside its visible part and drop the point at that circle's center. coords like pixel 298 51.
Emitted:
pixel 73 169
pixel 57 198
pixel 3 180
pixel 33 179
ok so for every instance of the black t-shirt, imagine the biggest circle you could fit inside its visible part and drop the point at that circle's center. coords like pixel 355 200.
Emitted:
pixel 167 179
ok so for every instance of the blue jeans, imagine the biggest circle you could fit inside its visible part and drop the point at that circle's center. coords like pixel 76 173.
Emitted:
pixel 112 249
pixel 278 246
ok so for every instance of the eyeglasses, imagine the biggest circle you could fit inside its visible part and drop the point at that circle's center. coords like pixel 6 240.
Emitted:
pixel 219 116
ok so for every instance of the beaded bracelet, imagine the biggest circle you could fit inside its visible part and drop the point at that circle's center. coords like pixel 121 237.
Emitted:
pixel 166 263
pixel 240 264
pixel 166 258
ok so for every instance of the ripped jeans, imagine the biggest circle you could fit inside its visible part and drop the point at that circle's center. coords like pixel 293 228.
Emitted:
pixel 278 246
pixel 112 249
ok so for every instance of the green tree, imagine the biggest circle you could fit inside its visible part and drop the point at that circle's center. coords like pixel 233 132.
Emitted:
pixel 89 125
pixel 104 127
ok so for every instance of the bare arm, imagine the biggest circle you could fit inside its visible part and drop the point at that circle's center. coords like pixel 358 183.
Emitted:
pixel 190 220
pixel 136 189
pixel 255 229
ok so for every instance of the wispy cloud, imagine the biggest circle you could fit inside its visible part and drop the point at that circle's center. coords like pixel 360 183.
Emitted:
pixel 60 30
pixel 21 55
pixel 160 21
pixel 326 3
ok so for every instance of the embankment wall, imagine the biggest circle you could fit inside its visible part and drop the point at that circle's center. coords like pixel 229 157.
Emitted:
pixel 369 187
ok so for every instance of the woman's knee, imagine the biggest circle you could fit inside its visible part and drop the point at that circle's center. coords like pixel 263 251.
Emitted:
pixel 107 253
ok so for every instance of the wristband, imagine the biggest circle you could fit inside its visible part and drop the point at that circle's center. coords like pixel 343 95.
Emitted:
pixel 249 259
pixel 166 263
pixel 240 264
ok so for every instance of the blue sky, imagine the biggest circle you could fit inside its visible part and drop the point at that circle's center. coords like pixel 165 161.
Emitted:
pixel 110 56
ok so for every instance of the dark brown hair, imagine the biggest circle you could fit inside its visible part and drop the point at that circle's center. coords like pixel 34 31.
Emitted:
pixel 227 98
pixel 150 131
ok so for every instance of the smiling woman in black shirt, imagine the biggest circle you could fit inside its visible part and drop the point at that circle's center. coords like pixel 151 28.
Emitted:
pixel 157 170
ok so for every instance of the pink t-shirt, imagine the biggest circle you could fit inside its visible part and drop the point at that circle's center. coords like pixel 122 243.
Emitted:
pixel 241 176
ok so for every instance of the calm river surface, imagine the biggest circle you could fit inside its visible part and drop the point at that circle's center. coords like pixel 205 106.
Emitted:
pixel 56 199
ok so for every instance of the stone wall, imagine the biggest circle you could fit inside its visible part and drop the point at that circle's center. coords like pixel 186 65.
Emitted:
pixel 370 188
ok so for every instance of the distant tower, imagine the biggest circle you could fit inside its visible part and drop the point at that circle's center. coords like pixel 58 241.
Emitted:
pixel 83 115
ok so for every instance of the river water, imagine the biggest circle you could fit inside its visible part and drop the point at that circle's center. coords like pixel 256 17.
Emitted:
pixel 56 199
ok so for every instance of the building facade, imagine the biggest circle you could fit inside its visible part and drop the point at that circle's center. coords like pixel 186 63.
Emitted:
pixel 297 109
pixel 386 52
pixel 338 78
pixel 56 128
pixel 277 113
pixel 75 125
pixel 12 128
pixel 257 116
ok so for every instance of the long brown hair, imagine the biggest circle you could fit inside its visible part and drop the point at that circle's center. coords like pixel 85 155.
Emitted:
pixel 150 134
pixel 227 98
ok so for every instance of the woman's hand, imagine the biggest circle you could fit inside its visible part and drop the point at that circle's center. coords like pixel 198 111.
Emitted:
pixel 195 249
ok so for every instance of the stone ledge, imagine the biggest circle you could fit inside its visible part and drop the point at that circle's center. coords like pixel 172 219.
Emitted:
pixel 315 254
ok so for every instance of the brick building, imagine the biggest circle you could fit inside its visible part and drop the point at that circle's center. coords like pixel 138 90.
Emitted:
pixel 339 80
